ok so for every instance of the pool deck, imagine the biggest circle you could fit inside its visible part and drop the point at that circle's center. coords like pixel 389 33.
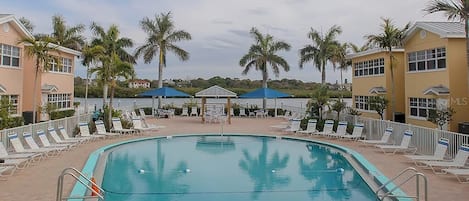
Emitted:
pixel 39 181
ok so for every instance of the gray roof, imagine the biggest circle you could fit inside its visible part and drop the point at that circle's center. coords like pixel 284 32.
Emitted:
pixel 215 91
pixel 4 15
pixel 443 29
pixel 437 90
pixel 3 89
pixel 49 88
pixel 377 90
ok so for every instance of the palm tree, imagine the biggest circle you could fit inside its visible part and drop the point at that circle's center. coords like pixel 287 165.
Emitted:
pixel 39 49
pixel 114 48
pixel 339 61
pixel 67 36
pixel 120 69
pixel 27 24
pixel 263 53
pixel 454 10
pixel 390 37
pixel 356 49
pixel 320 52
pixel 161 38
pixel 92 55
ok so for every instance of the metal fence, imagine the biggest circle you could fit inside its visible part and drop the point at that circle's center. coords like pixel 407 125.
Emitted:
pixel 68 123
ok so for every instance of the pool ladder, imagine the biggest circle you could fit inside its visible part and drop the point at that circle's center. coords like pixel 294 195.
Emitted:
pixel 84 180
pixel 382 195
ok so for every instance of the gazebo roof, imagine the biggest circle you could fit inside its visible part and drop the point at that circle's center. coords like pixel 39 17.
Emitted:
pixel 215 91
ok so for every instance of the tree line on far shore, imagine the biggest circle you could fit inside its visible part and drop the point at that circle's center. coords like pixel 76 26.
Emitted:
pixel 296 88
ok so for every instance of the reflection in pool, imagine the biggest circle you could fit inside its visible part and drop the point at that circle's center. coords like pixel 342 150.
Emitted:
pixel 207 168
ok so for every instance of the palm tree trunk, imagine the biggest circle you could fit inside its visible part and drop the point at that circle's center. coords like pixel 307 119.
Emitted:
pixel 160 76
pixel 35 91
pixel 264 85
pixel 341 85
pixel 393 92
pixel 323 73
pixel 105 90
pixel 466 26
pixel 110 106
pixel 86 88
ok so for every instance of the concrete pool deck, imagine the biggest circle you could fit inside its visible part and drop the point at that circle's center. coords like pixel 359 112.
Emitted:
pixel 39 181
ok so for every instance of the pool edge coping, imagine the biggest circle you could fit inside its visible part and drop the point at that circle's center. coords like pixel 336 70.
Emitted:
pixel 378 177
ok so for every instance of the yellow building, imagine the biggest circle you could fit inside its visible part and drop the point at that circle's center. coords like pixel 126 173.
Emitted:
pixel 430 72
pixel 436 72
pixel 17 72
pixel 371 76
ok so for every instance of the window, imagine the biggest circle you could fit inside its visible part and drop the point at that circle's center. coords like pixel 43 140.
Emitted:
pixel 370 67
pixel 64 66
pixel 60 100
pixel 9 55
pixel 361 102
pixel 13 101
pixel 427 59
pixel 419 106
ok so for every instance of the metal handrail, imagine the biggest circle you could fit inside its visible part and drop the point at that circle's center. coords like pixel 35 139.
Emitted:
pixel 90 185
pixel 416 175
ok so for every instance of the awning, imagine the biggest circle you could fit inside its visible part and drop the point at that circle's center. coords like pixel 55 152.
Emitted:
pixel 49 88
pixel 216 92
pixel 439 90
pixel 377 90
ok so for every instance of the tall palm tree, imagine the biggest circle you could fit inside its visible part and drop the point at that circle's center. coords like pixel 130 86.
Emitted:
pixel 263 53
pixel 92 55
pixel 120 69
pixel 114 47
pixel 320 52
pixel 27 24
pixel 69 37
pixel 454 10
pixel 391 37
pixel 39 49
pixel 356 48
pixel 339 61
pixel 161 38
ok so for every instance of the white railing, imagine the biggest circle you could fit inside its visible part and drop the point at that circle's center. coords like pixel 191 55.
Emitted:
pixel 68 123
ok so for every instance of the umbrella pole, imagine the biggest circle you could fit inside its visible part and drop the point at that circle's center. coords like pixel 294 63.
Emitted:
pixel 153 106
pixel 275 110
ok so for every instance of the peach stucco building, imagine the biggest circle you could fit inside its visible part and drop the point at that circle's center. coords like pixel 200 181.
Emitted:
pixel 430 72
pixel 17 72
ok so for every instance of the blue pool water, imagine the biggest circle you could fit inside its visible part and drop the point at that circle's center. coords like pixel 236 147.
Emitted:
pixel 214 168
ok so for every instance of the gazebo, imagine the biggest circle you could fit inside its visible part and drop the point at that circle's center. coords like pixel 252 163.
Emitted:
pixel 216 92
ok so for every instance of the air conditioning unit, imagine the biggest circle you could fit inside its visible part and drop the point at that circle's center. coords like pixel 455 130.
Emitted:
pixel 463 127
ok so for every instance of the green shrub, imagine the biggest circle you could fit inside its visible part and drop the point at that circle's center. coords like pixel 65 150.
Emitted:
pixel 61 114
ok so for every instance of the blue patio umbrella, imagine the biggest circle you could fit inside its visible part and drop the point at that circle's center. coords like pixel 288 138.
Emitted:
pixel 266 93
pixel 163 91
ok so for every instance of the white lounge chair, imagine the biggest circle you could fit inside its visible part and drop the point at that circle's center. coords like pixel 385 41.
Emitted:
pixel 242 112
pixel 310 127
pixel 46 143
pixel 384 139
pixel 327 129
pixel 101 129
pixel 85 132
pixel 6 168
pixel 194 111
pixel 142 113
pixel 438 155
pixel 294 127
pixel 18 162
pixel 403 147
pixel 32 157
pixel 356 133
pixel 28 138
pixel 66 137
pixel 19 148
pixel 461 174
pixel 58 140
pixel 117 127
pixel 341 130
pixel 458 162
pixel 185 111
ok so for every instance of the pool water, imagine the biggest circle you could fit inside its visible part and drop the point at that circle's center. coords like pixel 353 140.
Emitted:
pixel 230 168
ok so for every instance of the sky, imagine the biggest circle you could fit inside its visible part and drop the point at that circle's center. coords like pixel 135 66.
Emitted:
pixel 220 28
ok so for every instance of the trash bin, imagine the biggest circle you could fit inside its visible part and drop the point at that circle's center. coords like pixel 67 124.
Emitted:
pixel 399 117
pixel 28 117
pixel 463 127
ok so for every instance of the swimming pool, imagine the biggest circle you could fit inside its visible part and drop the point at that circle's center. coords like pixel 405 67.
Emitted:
pixel 230 168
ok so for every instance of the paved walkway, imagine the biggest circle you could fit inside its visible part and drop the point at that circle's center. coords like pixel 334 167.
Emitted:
pixel 39 182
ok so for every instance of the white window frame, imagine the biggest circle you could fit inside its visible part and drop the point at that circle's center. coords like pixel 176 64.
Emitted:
pixel 361 103
pixel 373 67
pixel 421 106
pixel 61 101
pixel 425 58
pixel 13 99
pixel 65 65
pixel 12 52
